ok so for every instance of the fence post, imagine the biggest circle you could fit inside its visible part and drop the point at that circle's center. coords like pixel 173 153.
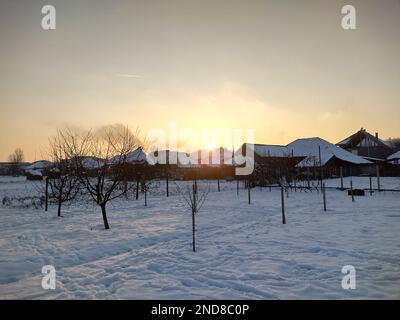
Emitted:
pixel 167 185
pixel 248 190
pixel 320 165
pixel 341 177
pixel 283 206
pixel 351 189
pixel 370 184
pixel 324 195
pixel 378 180
pixel 47 194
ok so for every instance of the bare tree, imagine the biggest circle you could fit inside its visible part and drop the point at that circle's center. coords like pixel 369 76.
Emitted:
pixel 394 143
pixel 16 159
pixel 64 185
pixel 145 187
pixel 100 159
pixel 17 156
pixel 194 200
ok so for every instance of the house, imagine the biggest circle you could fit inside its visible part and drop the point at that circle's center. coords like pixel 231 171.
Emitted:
pixel 271 162
pixel 12 168
pixel 201 164
pixel 37 169
pixel 394 158
pixel 303 157
pixel 135 157
pixel 266 154
pixel 366 145
pixel 319 153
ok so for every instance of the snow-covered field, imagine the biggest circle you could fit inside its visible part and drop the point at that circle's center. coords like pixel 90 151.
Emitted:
pixel 244 251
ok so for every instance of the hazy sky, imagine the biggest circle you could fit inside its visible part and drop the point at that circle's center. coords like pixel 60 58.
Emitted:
pixel 284 68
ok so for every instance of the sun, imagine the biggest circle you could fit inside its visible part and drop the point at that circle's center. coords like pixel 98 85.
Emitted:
pixel 210 145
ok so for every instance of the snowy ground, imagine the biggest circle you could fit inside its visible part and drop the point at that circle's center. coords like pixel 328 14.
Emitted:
pixel 244 252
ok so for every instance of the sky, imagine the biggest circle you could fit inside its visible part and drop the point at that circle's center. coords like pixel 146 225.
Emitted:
pixel 286 69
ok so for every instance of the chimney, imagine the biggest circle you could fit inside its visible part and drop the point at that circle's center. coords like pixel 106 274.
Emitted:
pixel 376 135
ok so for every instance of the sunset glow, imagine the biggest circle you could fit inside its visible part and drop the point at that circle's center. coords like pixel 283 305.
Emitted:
pixel 284 72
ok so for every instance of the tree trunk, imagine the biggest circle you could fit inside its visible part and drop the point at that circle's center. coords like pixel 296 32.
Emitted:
pixel 194 231
pixel 125 188
pixel 194 209
pixel 59 208
pixel 103 211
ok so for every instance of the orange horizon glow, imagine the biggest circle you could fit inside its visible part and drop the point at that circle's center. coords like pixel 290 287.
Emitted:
pixel 284 70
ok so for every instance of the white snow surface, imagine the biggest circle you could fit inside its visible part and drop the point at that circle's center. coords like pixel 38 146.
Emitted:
pixel 309 147
pixel 42 164
pixel 265 150
pixel 394 156
pixel 243 251
pixel 136 156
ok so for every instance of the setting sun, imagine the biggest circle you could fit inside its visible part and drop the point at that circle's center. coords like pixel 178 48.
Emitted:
pixel 210 145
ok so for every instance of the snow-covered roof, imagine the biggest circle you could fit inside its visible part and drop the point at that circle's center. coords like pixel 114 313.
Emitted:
pixel 309 148
pixel 136 156
pixel 34 172
pixel 265 150
pixel 42 164
pixel 211 158
pixel 193 159
pixel 394 156
pixel 362 138
pixel 186 160
pixel 91 163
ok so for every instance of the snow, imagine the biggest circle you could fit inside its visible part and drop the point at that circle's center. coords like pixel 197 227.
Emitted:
pixel 244 252
pixel 136 156
pixel 37 165
pixel 309 147
pixel 264 150
pixel 91 163
pixel 394 156
pixel 210 158
pixel 363 183
pixel 34 172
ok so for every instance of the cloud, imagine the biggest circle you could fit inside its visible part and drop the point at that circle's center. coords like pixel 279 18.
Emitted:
pixel 128 75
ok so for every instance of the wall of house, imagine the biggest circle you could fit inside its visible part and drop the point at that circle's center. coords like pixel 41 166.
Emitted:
pixel 373 152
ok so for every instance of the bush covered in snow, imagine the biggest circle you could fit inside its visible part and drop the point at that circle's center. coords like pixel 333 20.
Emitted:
pixel 23 202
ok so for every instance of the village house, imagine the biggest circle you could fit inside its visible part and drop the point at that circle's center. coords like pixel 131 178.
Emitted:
pixel 367 145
